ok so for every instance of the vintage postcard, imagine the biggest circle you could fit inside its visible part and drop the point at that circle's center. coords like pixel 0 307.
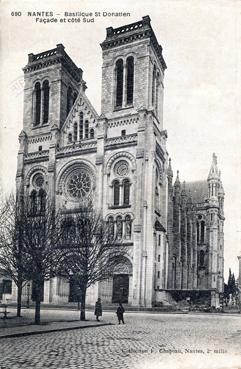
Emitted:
pixel 120 169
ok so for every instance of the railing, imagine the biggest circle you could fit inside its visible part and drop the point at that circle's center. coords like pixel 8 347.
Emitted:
pixel 122 139
pixel 38 154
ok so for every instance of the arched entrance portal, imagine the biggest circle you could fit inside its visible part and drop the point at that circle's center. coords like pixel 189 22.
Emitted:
pixel 121 282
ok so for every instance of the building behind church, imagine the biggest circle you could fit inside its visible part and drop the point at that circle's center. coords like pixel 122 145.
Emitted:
pixel 70 154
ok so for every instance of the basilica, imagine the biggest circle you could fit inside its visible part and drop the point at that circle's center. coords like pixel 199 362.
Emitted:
pixel 119 159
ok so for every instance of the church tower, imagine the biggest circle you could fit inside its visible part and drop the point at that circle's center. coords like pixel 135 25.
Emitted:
pixel 215 231
pixel 132 109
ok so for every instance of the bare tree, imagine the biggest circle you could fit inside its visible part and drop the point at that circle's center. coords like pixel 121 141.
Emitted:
pixel 30 246
pixel 12 261
pixel 41 235
pixel 91 250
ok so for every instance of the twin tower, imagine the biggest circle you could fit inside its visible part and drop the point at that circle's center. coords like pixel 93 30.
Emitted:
pixel 70 154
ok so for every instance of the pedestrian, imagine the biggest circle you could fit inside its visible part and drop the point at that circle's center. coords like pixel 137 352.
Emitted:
pixel 120 313
pixel 98 309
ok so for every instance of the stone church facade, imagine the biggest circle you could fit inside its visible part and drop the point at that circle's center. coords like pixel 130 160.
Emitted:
pixel 119 159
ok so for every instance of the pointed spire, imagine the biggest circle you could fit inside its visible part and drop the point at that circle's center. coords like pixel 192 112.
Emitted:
pixel 169 169
pixel 177 186
pixel 177 181
pixel 189 199
pixel 214 172
pixel 183 193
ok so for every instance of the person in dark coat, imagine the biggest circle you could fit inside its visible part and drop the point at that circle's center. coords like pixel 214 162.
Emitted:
pixel 120 313
pixel 98 309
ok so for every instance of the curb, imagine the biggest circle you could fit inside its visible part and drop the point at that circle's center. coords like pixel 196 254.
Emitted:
pixel 23 334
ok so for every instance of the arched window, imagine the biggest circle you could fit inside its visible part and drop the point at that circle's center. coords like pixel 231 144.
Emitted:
pixel 116 186
pixel 33 202
pixel 46 102
pixel 75 132
pixel 37 107
pixel 42 201
pixel 111 227
pixel 157 91
pixel 128 227
pixel 86 129
pixel 202 231
pixel 92 133
pixel 69 100
pixel 126 192
pixel 119 83
pixel 130 80
pixel 81 125
pixel 69 137
pixel 201 258
pixel 198 233
pixel 119 230
pixel 153 85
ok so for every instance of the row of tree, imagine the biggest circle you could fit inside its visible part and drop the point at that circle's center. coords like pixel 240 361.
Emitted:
pixel 76 245
pixel 231 288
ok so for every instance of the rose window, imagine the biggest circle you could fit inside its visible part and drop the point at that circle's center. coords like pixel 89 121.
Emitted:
pixel 38 180
pixel 121 168
pixel 79 184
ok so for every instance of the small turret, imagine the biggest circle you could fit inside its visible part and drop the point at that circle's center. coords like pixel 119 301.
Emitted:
pixel 177 185
pixel 213 179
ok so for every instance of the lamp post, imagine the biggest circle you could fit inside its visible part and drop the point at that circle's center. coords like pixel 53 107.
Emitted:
pixel 28 294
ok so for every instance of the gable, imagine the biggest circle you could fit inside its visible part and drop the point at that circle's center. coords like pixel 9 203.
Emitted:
pixel 80 123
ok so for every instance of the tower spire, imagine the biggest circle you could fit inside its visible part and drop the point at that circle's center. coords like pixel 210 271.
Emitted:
pixel 214 172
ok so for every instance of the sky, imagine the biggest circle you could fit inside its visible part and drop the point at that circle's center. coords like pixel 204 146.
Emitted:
pixel 202 50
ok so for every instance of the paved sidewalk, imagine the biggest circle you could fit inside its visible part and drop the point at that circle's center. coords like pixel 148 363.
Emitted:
pixel 51 321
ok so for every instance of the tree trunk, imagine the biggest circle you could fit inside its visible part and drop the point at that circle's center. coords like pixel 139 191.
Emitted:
pixel 37 304
pixel 82 309
pixel 19 300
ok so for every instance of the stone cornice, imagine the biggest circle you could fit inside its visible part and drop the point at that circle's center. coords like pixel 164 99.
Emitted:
pixel 52 57
pixel 133 32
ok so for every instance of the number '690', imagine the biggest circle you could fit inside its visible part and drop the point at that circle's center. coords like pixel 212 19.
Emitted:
pixel 16 14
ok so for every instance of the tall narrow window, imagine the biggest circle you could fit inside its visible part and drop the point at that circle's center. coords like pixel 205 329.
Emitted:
pixel 46 102
pixel 202 231
pixel 69 137
pixel 33 202
pixel 128 227
pixel 92 133
pixel 116 186
pixel 201 258
pixel 130 79
pixel 157 92
pixel 119 227
pixel 153 85
pixel 75 132
pixel 69 98
pixel 86 129
pixel 37 107
pixel 42 201
pixel 198 235
pixel 126 192
pixel 111 227
pixel 119 82
pixel 81 125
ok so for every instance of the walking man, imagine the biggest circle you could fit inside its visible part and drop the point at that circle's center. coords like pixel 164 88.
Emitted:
pixel 98 309
pixel 120 313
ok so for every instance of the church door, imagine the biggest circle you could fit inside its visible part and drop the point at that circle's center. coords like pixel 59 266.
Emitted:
pixel 120 288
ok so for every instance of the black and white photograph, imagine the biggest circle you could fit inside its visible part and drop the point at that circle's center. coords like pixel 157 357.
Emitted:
pixel 120 184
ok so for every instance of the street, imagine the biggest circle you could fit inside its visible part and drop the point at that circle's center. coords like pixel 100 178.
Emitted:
pixel 147 340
